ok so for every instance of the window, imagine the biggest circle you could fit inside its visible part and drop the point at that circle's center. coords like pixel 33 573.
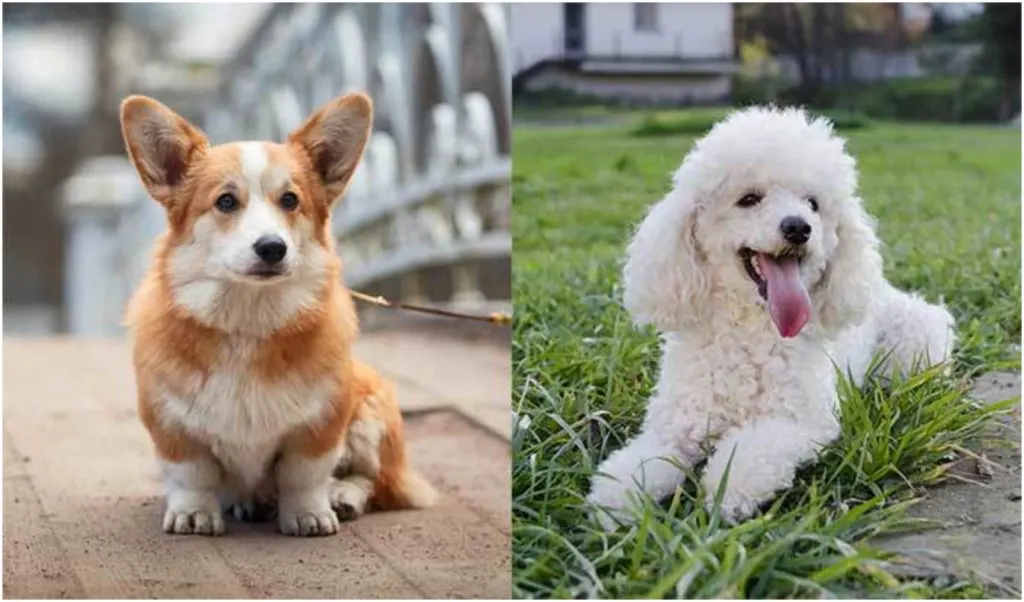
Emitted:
pixel 645 16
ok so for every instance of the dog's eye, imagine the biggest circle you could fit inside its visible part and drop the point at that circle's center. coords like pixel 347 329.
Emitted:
pixel 289 201
pixel 749 200
pixel 814 203
pixel 227 202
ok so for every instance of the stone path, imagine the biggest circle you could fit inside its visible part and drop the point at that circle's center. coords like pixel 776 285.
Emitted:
pixel 980 532
pixel 82 503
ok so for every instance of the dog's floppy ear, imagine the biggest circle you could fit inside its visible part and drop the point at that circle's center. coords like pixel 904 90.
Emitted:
pixel 664 275
pixel 853 272
pixel 334 138
pixel 161 144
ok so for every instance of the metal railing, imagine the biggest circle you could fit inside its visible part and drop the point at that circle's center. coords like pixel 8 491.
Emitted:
pixel 426 217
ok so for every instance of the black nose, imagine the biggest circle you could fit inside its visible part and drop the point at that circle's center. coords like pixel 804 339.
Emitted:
pixel 270 249
pixel 795 230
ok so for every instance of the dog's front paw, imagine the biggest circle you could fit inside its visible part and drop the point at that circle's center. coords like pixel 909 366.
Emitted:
pixel 611 503
pixel 740 500
pixel 735 507
pixel 308 517
pixel 610 519
pixel 194 522
pixel 310 523
pixel 193 513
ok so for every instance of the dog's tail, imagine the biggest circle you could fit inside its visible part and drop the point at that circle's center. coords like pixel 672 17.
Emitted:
pixel 410 490
pixel 398 486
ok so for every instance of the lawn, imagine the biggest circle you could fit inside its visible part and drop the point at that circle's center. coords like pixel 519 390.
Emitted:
pixel 948 203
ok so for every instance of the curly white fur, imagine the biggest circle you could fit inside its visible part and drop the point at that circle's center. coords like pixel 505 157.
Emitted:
pixel 728 379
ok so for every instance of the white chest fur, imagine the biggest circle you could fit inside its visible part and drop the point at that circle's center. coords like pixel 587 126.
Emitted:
pixel 710 384
pixel 242 417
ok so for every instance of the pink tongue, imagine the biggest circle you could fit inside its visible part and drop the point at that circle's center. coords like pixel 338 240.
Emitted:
pixel 788 301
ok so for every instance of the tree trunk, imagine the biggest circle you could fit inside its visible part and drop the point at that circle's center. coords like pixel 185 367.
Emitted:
pixel 101 134
pixel 1011 90
pixel 794 25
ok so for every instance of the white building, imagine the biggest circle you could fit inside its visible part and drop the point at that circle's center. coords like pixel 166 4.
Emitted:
pixel 675 53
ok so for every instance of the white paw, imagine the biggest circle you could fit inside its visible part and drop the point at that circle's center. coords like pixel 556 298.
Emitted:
pixel 194 522
pixel 735 507
pixel 348 498
pixel 611 503
pixel 310 523
pixel 610 518
pixel 193 513
pixel 740 500
pixel 308 515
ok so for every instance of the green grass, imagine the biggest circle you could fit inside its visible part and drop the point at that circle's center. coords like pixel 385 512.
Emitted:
pixel 948 203
pixel 699 121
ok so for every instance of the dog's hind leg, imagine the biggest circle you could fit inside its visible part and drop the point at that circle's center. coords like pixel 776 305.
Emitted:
pixel 349 495
pixel 918 334
pixel 353 478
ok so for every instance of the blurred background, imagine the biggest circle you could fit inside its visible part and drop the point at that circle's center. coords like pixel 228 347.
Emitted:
pixel 952 62
pixel 425 219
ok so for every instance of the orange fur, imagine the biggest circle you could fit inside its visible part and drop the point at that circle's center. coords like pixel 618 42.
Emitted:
pixel 396 486
pixel 177 352
pixel 173 444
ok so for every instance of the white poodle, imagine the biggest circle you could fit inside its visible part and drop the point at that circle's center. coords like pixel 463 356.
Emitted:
pixel 761 268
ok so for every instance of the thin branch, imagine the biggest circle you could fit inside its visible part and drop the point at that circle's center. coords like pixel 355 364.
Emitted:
pixel 498 318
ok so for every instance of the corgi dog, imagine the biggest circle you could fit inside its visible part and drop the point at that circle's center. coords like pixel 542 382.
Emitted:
pixel 242 331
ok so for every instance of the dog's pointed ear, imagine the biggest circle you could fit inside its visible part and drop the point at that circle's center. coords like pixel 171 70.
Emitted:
pixel 334 138
pixel 161 144
pixel 666 284
pixel 854 271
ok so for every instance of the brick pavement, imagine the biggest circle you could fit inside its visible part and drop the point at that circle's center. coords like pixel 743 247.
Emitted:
pixel 82 503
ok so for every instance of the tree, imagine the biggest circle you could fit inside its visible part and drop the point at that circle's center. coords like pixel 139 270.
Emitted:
pixel 1002 50
pixel 821 37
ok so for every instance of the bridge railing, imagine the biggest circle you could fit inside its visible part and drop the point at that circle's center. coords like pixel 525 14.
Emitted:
pixel 426 217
